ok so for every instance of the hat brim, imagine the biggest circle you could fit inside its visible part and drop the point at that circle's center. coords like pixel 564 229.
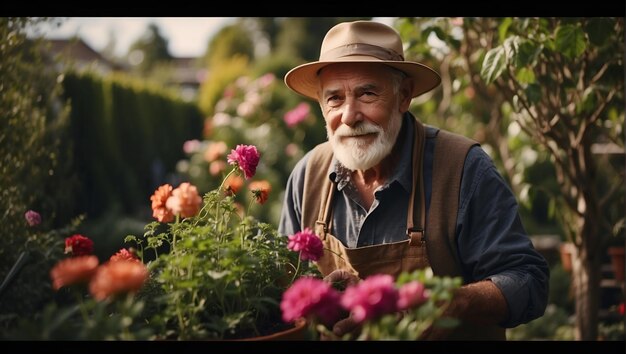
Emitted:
pixel 303 79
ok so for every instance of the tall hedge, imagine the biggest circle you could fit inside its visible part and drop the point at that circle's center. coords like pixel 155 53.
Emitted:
pixel 127 136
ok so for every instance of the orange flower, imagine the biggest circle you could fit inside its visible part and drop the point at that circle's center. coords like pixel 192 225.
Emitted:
pixel 233 184
pixel 72 271
pixel 118 277
pixel 184 200
pixel 159 200
pixel 124 254
pixel 215 150
pixel 260 190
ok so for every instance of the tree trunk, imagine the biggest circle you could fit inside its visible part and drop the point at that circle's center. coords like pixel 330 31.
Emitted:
pixel 586 282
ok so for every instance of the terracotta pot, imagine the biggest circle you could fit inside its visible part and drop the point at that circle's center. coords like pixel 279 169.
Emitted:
pixel 298 332
pixel 617 261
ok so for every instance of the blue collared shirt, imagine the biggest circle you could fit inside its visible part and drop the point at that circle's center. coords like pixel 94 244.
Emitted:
pixel 491 239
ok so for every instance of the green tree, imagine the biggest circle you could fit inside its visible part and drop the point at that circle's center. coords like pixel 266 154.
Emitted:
pixel 559 83
pixel 35 161
pixel 231 41
pixel 149 50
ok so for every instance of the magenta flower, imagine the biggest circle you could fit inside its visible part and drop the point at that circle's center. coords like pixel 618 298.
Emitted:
pixel 297 114
pixel 411 294
pixel 307 243
pixel 371 298
pixel 246 157
pixel 32 218
pixel 311 298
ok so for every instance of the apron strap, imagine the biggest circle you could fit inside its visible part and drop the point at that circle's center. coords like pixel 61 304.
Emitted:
pixel 316 196
pixel 416 215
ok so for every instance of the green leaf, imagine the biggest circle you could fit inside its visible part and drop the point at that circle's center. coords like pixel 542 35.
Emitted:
pixel 503 28
pixel 528 52
pixel 525 75
pixel 493 64
pixel 570 40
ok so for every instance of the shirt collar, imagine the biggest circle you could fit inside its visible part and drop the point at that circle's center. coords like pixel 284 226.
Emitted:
pixel 403 172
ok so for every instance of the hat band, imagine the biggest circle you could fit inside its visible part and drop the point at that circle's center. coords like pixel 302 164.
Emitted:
pixel 361 49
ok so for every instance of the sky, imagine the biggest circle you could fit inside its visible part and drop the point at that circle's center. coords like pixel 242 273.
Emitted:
pixel 188 36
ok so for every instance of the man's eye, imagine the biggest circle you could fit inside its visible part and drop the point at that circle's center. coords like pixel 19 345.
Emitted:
pixel 333 99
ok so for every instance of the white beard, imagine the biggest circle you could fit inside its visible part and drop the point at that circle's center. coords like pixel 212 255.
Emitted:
pixel 356 154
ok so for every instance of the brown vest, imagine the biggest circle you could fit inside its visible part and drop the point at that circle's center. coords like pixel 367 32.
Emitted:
pixel 438 250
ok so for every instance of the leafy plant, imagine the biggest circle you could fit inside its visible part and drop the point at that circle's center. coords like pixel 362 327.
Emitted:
pixel 219 272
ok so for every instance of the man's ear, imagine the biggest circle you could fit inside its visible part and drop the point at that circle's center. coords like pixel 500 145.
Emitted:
pixel 405 94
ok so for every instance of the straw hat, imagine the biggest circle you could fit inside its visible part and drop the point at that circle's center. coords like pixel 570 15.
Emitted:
pixel 361 42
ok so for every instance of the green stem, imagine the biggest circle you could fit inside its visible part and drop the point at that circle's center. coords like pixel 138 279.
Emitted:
pixel 81 306
pixel 174 235
pixel 225 178
pixel 295 274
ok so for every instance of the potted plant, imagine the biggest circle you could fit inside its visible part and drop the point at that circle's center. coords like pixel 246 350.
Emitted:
pixel 217 273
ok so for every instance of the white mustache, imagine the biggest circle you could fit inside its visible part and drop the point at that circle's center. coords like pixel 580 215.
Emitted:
pixel 361 129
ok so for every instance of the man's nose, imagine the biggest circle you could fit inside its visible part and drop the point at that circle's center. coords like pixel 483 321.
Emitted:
pixel 351 114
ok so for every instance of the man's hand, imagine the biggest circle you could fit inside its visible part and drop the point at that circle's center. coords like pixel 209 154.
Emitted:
pixel 346 325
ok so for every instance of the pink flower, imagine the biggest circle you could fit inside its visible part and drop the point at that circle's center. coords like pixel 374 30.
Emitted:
pixel 78 245
pixel 159 199
pixel 310 297
pixel 307 243
pixel 411 294
pixel 32 218
pixel 184 200
pixel 191 146
pixel 246 157
pixel 124 254
pixel 266 80
pixel 297 115
pixel 371 298
pixel 114 278
pixel 72 271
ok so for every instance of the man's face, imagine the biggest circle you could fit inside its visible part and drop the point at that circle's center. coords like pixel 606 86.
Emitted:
pixel 363 112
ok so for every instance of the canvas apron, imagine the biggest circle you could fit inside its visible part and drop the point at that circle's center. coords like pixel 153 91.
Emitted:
pixel 391 258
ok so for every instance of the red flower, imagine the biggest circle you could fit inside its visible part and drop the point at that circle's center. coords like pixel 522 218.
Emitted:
pixel 307 243
pixel 159 199
pixel 124 254
pixel 260 190
pixel 246 157
pixel 620 309
pixel 310 297
pixel 78 245
pixel 72 271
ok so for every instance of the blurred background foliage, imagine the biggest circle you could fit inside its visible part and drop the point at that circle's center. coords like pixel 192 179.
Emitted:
pixel 87 149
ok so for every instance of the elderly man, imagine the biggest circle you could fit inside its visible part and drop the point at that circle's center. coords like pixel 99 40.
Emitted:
pixel 388 194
